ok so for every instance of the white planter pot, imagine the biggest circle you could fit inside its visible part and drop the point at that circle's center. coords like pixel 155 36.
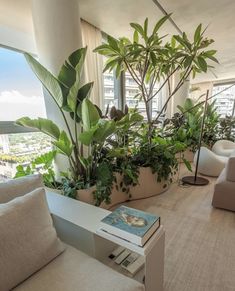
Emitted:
pixel 147 187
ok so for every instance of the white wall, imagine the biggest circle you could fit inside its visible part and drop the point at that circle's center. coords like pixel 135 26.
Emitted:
pixel 14 38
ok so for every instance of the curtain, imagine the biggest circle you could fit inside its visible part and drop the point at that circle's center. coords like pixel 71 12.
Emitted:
pixel 92 37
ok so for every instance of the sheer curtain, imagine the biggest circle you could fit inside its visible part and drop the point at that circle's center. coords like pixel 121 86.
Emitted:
pixel 93 66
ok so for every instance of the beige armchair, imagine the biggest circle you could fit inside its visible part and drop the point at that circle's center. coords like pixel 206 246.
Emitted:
pixel 224 194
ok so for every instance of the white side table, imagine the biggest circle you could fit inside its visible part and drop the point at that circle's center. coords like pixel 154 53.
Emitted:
pixel 77 222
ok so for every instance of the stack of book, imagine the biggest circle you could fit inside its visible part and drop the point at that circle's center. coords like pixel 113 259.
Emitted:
pixel 131 224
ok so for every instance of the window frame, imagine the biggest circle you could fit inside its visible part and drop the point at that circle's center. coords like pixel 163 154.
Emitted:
pixel 226 83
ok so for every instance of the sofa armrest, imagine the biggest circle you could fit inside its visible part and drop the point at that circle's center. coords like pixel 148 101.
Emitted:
pixel 76 222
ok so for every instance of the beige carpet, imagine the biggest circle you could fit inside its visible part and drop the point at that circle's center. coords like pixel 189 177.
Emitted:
pixel 200 240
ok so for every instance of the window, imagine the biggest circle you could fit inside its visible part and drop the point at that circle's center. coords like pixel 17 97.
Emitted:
pixel 131 90
pixel 225 101
pixel 110 95
pixel 20 95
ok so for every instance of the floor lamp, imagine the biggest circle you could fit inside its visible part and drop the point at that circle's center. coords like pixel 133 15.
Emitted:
pixel 195 180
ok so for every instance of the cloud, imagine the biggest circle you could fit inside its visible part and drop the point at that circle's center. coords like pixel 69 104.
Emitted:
pixel 14 105
pixel 15 97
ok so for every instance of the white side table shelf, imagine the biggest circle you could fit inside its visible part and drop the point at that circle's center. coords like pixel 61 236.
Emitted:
pixel 78 223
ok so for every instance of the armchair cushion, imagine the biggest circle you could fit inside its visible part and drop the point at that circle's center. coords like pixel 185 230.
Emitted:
pixel 28 240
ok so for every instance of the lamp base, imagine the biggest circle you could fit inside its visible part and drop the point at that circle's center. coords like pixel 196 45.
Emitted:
pixel 199 181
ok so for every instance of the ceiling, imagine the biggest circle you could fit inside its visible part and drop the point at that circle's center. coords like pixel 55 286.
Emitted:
pixel 113 17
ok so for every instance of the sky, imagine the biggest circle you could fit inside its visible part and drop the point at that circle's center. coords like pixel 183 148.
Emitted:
pixel 20 91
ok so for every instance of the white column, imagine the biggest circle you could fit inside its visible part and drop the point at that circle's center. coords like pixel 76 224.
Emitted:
pixel 181 94
pixel 57 30
pixel 178 98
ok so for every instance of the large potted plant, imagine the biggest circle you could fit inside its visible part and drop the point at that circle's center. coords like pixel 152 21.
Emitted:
pixel 150 60
pixel 89 169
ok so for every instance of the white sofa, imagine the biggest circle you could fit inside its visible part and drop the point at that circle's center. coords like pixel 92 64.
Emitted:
pixel 223 148
pixel 210 164
pixel 71 270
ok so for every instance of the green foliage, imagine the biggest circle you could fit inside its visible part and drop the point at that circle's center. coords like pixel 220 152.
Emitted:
pixel 226 128
pixel 122 141
pixel 149 58
pixel 160 156
pixel 104 185
pixel 186 125
pixel 70 187
pixel 42 164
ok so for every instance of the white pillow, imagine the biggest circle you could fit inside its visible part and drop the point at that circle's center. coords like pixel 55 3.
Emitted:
pixel 28 240
pixel 18 187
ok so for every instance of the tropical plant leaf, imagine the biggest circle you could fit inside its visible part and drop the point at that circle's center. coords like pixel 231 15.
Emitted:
pixel 79 95
pixel 160 23
pixel 138 28
pixel 42 124
pixel 67 75
pixel 87 136
pixel 46 158
pixel 113 43
pixel 90 115
pixel 64 144
pixel 197 34
pixel 104 130
pixel 49 81
pixel 146 27
pixel 202 64
pixel 135 36
pixel 77 59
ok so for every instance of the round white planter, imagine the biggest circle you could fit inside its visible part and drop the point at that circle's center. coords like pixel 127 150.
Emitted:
pixel 147 187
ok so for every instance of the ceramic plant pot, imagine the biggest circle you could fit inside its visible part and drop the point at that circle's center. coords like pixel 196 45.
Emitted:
pixel 148 186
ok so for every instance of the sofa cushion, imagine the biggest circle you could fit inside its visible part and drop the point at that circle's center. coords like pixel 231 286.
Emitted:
pixel 18 187
pixel 28 240
pixel 74 270
pixel 230 169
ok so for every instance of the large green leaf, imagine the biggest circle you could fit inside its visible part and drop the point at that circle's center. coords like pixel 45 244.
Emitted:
pixel 78 95
pixel 70 75
pixel 87 137
pixel 64 144
pixel 49 81
pixel 67 75
pixel 45 159
pixel 104 130
pixel 44 125
pixel 90 115
pixel 77 58
pixel 160 23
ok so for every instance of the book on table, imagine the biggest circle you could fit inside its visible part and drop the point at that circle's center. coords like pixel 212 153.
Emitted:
pixel 131 224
